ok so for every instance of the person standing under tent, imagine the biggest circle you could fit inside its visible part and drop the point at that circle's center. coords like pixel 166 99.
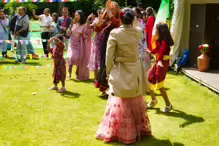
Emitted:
pixel 21 34
pixel 63 25
pixel 12 29
pixel 150 26
pixel 30 49
pixel 53 28
pixel 78 52
pixel 4 23
pixel 46 21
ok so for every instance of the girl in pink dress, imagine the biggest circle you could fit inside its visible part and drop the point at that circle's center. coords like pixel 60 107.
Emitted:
pixel 94 63
pixel 78 52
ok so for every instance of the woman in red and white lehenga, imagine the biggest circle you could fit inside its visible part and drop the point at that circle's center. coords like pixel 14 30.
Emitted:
pixel 126 118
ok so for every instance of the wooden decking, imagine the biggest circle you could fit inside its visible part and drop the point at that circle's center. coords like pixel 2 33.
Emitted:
pixel 209 79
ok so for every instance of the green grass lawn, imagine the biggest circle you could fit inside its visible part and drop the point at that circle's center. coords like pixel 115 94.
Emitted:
pixel 71 119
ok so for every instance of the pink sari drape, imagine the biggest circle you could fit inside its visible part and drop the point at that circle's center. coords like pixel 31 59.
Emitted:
pixel 83 73
pixel 79 52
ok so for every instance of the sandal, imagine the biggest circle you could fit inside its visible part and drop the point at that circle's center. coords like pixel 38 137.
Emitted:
pixel 62 90
pixel 152 103
pixel 54 88
pixel 168 108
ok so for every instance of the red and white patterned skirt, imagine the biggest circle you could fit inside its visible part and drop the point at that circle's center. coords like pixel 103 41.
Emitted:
pixel 125 120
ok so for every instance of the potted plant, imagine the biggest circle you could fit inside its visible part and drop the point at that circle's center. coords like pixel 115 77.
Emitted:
pixel 203 59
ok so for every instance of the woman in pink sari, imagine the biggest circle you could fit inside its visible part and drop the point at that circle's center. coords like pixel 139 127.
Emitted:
pixel 78 52
pixel 97 26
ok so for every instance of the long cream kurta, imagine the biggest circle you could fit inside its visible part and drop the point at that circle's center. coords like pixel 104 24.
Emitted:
pixel 123 63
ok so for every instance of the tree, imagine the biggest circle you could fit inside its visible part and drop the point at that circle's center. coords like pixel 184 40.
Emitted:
pixel 13 6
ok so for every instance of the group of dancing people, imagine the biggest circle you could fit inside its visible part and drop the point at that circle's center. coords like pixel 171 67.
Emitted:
pixel 120 56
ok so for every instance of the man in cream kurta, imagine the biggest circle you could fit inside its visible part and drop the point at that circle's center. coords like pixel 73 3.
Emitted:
pixel 123 63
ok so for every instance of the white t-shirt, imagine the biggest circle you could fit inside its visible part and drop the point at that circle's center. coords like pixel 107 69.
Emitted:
pixel 45 21
pixel 53 29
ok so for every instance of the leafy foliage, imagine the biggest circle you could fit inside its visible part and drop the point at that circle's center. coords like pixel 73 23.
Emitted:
pixel 87 6
pixel 13 6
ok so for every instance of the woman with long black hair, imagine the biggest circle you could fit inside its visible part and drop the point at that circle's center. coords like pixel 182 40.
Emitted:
pixel 78 53
pixel 157 74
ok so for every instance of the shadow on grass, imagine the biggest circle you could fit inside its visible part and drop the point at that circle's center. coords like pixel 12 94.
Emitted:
pixel 28 58
pixel 14 63
pixel 156 94
pixel 189 119
pixel 104 97
pixel 175 73
pixel 150 141
pixel 87 81
pixel 69 94
pixel 10 58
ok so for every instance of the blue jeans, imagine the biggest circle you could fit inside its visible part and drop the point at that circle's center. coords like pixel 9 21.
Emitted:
pixel 30 49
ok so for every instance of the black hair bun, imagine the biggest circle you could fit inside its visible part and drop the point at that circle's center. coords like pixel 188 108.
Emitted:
pixel 128 16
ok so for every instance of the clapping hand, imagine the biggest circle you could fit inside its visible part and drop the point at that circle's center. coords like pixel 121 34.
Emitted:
pixel 160 63
pixel 108 4
pixel 99 15
pixel 73 21
pixel 64 28
pixel 81 34
pixel 147 51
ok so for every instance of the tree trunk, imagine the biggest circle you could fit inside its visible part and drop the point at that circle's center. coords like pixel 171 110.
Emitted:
pixel 59 8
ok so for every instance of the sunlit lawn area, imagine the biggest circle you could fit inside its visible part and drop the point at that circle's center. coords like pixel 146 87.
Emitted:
pixel 53 119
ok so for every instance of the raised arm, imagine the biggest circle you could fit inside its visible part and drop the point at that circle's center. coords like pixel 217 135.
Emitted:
pixel 34 15
pixel 69 30
pixel 89 26
pixel 115 22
